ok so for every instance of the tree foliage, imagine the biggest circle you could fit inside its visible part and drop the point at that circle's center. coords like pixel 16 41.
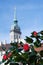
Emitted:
pixel 18 53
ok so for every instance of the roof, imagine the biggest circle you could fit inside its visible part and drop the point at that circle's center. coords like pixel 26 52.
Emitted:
pixel 39 48
pixel 7 46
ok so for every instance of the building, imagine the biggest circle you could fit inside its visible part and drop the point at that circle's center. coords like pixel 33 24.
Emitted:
pixel 15 36
pixel 15 32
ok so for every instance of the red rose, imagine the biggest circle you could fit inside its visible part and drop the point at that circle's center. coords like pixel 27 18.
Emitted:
pixel 35 33
pixel 5 57
pixel 26 47
pixel 9 54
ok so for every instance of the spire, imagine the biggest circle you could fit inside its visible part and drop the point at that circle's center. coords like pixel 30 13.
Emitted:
pixel 15 14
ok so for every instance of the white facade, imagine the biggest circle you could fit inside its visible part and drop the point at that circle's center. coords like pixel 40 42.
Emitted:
pixel 14 36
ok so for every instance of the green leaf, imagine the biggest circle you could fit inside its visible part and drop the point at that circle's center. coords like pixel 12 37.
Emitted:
pixel 3 60
pixel 25 55
pixel 32 58
pixel 8 61
pixel 29 40
pixel 37 44
pixel 41 32
pixel 41 37
pixel 41 53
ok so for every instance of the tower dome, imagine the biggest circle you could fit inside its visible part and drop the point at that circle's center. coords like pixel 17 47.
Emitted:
pixel 15 27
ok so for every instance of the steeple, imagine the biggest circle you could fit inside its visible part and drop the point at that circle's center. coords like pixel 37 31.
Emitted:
pixel 15 16
pixel 15 32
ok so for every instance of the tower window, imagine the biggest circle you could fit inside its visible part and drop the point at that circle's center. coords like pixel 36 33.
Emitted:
pixel 19 36
pixel 14 36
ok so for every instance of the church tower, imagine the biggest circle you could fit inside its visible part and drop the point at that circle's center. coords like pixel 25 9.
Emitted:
pixel 15 32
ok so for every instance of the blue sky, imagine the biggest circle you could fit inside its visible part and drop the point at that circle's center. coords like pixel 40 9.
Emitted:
pixel 29 15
